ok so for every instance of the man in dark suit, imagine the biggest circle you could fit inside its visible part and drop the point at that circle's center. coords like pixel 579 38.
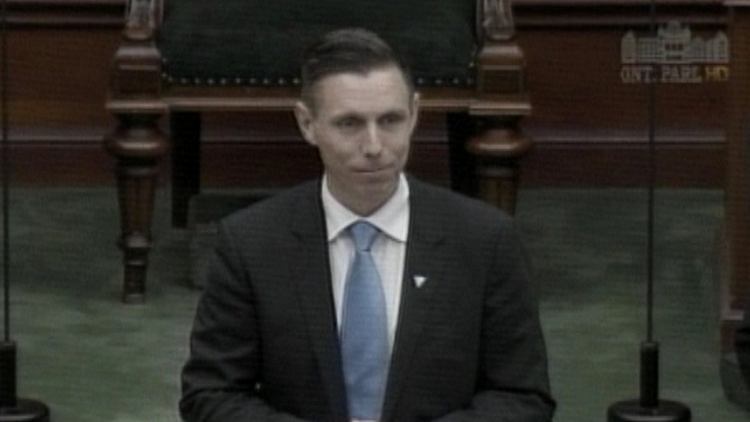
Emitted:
pixel 449 329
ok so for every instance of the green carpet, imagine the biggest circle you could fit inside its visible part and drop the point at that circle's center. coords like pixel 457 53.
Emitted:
pixel 588 250
pixel 92 359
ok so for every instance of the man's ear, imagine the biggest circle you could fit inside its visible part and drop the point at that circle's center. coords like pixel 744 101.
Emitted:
pixel 304 117
pixel 414 110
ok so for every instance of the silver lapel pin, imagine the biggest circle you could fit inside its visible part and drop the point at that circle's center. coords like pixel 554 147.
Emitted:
pixel 419 280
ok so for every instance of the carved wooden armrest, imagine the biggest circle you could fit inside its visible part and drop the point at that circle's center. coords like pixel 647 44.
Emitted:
pixel 495 20
pixel 136 74
pixel 142 17
pixel 500 62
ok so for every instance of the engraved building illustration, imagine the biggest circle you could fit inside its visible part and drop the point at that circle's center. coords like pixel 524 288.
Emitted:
pixel 674 44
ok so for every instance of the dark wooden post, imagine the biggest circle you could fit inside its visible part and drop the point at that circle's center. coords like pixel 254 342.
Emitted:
pixel 502 102
pixel 136 142
pixel 735 279
pixel 738 186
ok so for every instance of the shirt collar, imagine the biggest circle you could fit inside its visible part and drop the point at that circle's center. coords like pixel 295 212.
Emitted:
pixel 392 218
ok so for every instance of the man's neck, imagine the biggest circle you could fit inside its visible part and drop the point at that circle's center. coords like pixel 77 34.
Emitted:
pixel 362 206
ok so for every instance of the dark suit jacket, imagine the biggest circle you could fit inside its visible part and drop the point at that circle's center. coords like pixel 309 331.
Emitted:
pixel 468 346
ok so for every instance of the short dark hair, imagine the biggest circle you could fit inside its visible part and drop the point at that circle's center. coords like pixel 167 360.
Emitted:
pixel 350 50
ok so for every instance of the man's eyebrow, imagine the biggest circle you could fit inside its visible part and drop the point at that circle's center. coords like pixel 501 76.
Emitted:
pixel 348 115
pixel 360 116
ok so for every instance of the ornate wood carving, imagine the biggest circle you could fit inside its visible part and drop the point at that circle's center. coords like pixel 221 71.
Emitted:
pixel 497 20
pixel 144 15
pixel 137 70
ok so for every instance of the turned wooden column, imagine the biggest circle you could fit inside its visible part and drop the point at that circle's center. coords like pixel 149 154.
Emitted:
pixel 136 142
pixel 499 148
pixel 138 146
pixel 498 143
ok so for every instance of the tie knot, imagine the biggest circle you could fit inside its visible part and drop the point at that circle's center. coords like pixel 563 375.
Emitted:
pixel 363 234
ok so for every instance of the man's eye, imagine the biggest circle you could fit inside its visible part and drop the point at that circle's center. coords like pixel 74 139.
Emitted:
pixel 347 123
pixel 392 119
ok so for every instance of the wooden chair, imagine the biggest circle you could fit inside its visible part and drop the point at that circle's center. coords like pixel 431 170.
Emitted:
pixel 181 58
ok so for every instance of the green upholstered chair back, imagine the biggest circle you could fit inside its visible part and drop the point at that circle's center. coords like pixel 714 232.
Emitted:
pixel 254 42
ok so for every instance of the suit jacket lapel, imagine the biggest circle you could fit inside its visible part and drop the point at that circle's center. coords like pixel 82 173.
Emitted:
pixel 424 256
pixel 312 280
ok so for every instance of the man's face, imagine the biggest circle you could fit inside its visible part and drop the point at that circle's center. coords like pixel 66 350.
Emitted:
pixel 362 127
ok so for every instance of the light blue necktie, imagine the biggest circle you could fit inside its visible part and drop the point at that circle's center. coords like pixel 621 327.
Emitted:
pixel 364 334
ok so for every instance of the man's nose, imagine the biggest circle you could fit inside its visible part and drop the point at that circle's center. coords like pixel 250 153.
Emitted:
pixel 373 142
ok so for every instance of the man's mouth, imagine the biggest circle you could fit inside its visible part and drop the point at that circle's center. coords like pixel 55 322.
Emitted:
pixel 371 171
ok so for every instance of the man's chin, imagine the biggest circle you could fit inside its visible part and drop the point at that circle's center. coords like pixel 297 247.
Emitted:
pixel 381 188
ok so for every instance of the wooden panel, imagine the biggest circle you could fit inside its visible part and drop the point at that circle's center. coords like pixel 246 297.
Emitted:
pixel 577 80
pixel 59 55
pixel 613 13
pixel 604 166
pixel 68 164
pixel 65 13
pixel 59 76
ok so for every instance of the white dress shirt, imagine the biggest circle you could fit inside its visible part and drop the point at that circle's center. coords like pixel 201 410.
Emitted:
pixel 388 250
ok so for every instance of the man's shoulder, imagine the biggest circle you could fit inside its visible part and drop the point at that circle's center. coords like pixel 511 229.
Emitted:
pixel 277 208
pixel 453 205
